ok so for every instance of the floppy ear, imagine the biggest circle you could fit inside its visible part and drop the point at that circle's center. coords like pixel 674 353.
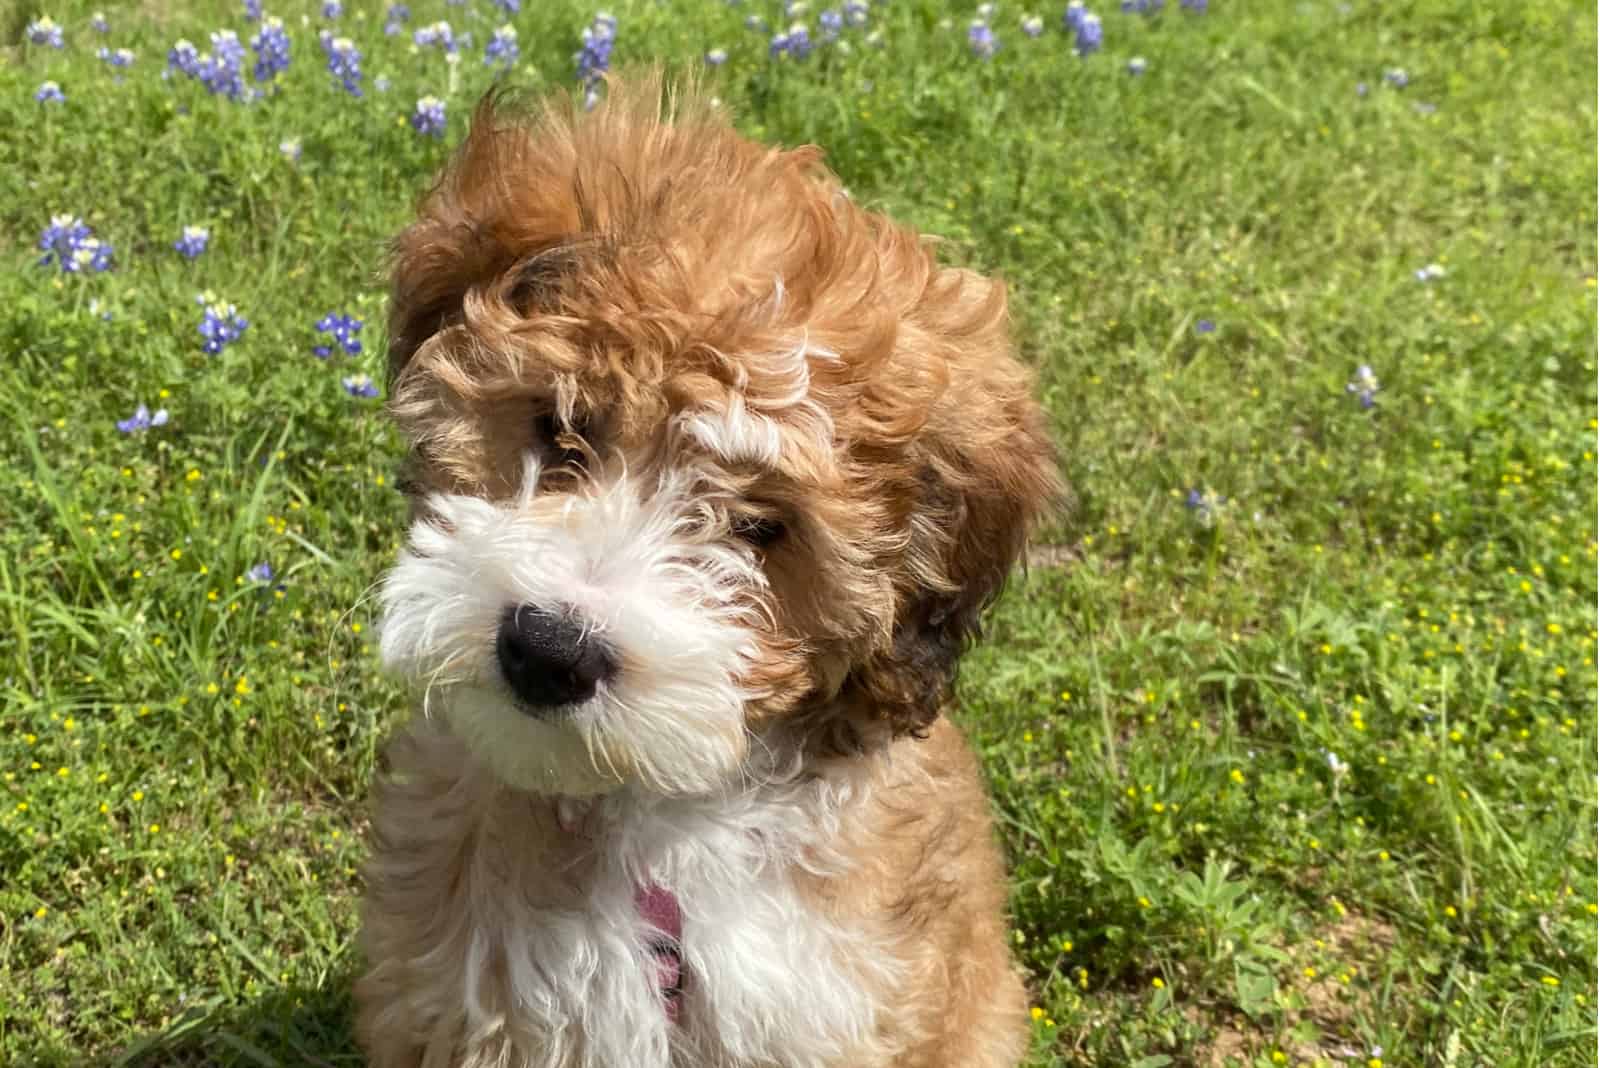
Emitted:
pixel 986 474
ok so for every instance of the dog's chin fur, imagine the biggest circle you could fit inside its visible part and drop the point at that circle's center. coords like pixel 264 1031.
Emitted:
pixel 774 459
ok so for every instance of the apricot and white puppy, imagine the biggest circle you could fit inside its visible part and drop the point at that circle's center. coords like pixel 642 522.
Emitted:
pixel 712 474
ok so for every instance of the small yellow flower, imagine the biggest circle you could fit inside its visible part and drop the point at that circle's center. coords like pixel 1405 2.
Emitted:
pixel 1157 983
pixel 1278 1057
pixel 212 687
pixel 1037 1013
pixel 138 795
pixel 1383 855
pixel 1237 776
pixel 1144 902
pixel 177 554
pixel 1066 943
pixel 1450 911
pixel 40 912
pixel 1375 1062
pixel 1310 973
pixel 155 828
pixel 1550 980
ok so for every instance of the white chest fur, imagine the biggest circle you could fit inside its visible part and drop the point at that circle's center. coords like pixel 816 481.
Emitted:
pixel 496 937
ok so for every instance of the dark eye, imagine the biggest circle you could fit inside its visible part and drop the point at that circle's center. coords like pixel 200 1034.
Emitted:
pixel 760 531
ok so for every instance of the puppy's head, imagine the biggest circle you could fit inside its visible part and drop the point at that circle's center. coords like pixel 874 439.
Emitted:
pixel 702 453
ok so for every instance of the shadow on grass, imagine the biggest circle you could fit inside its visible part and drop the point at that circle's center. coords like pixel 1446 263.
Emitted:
pixel 307 1027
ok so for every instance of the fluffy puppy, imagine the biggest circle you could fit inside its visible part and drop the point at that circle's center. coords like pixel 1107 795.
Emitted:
pixel 712 473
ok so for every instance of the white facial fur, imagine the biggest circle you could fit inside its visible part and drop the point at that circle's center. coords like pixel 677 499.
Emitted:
pixel 642 566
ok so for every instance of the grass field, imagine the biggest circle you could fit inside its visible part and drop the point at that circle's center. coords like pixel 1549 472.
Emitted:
pixel 1291 723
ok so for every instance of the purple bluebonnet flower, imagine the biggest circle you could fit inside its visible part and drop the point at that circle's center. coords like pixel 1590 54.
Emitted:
pixel 223 75
pixel 261 573
pixel 332 9
pixel 290 149
pixel 271 46
pixel 184 57
pixel 1396 78
pixel 1142 7
pixel 800 43
pixel 220 324
pixel 142 419
pixel 343 330
pixel 510 7
pixel 437 34
pixel 1032 25
pixel 393 16
pixel 1089 34
pixel 90 254
pixel 830 22
pixel 45 31
pixel 594 58
pixel 252 10
pixel 1073 15
pixel 855 13
pixel 981 39
pixel 49 93
pixel 118 59
pixel 1197 6
pixel 98 23
pixel 218 70
pixel 755 23
pixel 716 57
pixel 429 119
pixel 779 45
pixel 1364 387
pixel 1204 505
pixel 1137 66
pixel 60 238
pixel 1205 326
pixel 344 61
pixel 193 241
pixel 502 47
pixel 360 386
pixel 1361 88
pixel 73 246
pixel 1431 273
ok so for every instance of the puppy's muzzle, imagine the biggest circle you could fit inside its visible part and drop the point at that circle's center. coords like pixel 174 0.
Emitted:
pixel 549 659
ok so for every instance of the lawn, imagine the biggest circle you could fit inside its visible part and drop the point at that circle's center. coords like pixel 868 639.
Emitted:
pixel 1291 719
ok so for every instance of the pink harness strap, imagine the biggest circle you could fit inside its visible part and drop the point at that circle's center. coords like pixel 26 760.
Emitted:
pixel 659 908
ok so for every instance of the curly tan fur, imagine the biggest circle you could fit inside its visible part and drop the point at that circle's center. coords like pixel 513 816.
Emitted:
pixel 614 274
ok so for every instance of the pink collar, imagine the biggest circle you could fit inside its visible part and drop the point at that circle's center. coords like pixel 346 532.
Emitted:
pixel 657 906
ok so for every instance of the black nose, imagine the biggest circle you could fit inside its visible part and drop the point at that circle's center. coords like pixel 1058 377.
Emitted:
pixel 548 658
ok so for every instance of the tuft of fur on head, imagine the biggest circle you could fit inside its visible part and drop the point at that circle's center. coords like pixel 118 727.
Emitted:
pixel 780 455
